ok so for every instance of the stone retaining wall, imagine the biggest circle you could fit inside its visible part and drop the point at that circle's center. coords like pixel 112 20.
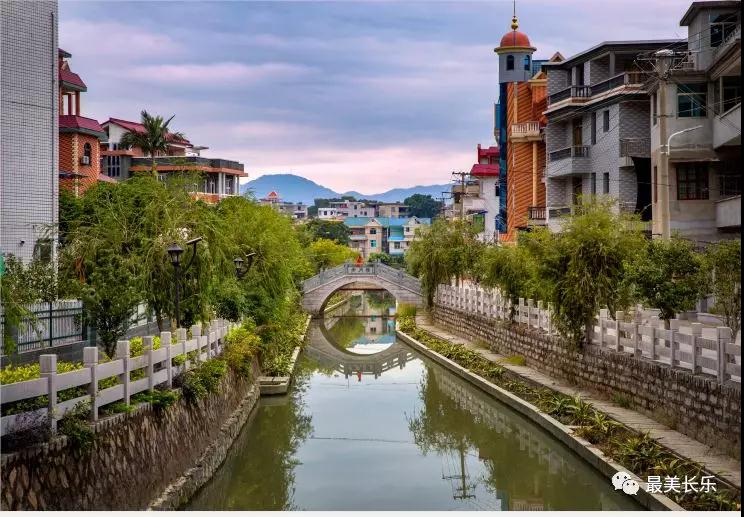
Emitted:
pixel 695 405
pixel 135 458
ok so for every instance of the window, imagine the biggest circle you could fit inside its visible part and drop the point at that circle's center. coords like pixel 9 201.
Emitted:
pixel 113 166
pixel 606 120
pixel 496 190
pixel 510 62
pixel 407 229
pixel 692 181
pixel 655 186
pixel 729 184
pixel 691 99
pixel 721 27
pixel 373 243
pixel 373 231
pixel 43 250
pixel 594 183
pixel 731 92
pixel 654 108
pixel 210 185
pixel 606 183
pixel 594 127
pixel 229 184
pixel 396 245
pixel 527 63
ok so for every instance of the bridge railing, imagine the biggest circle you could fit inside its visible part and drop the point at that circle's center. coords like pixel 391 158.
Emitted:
pixel 391 274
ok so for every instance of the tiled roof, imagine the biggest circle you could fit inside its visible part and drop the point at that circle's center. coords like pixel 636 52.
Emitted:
pixel 488 152
pixel 69 77
pixel 81 123
pixel 484 170
pixel 385 222
pixel 515 39
pixel 136 127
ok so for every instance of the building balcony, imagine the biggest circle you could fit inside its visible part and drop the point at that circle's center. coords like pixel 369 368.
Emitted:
pixel 357 237
pixel 525 132
pixel 728 213
pixel 727 127
pixel 188 163
pixel 537 215
pixel 581 94
pixel 568 161
pixel 572 93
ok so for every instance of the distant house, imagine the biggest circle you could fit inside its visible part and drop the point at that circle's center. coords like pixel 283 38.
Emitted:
pixel 391 235
pixel 294 210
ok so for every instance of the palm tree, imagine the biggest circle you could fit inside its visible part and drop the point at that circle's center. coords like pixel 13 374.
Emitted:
pixel 154 139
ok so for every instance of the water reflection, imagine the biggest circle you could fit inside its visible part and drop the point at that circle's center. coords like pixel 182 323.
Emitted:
pixel 364 324
pixel 394 431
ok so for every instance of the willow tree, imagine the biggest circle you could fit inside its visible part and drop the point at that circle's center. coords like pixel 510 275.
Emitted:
pixel 723 261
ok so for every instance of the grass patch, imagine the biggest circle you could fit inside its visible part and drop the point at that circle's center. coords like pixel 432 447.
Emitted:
pixel 516 360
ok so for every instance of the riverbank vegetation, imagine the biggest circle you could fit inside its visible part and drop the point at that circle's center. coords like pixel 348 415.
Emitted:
pixel 600 259
pixel 638 452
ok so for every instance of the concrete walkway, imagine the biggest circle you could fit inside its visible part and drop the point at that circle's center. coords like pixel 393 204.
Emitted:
pixel 722 465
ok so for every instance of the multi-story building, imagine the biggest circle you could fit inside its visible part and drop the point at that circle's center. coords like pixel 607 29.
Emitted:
pixel 79 137
pixel 476 199
pixel 328 213
pixel 221 177
pixel 293 210
pixel 519 132
pixel 597 133
pixel 391 210
pixel 349 208
pixel 695 107
pixel 391 235
pixel 29 125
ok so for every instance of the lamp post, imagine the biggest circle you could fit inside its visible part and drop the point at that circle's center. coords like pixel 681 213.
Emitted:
pixel 665 183
pixel 175 251
pixel 240 271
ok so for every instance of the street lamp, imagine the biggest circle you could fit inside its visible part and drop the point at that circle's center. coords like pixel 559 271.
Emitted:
pixel 175 251
pixel 240 272
pixel 665 183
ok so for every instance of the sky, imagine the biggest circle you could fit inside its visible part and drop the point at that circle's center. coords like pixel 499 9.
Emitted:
pixel 361 96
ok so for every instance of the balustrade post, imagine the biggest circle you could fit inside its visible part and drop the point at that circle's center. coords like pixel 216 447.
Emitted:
pixel 529 312
pixel 619 315
pixel 48 370
pixel 696 331
pixel 673 345
pixel 122 352
pixel 147 342
pixel 196 334
pixel 165 342
pixel 637 343
pixel 724 338
pixel 519 310
pixel 90 361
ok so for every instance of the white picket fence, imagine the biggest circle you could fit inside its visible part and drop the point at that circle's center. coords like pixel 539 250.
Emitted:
pixel 158 365
pixel 685 344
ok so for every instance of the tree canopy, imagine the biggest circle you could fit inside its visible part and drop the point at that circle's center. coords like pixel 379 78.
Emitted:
pixel 420 205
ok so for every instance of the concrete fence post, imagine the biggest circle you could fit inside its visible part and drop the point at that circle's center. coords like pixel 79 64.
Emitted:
pixel 165 341
pixel 181 335
pixel 550 318
pixel 603 315
pixel 147 342
pixel 211 348
pixel 637 342
pixel 122 352
pixel 48 369
pixel 673 345
pixel 529 313
pixel 724 338
pixel 697 332
pixel 619 316
pixel 519 310
pixel 90 361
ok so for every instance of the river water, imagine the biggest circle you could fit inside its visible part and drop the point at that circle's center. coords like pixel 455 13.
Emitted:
pixel 369 424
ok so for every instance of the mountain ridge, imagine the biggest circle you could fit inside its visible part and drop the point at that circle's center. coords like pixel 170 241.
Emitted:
pixel 291 187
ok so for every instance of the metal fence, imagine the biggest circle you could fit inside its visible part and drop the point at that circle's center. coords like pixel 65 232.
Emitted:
pixel 58 323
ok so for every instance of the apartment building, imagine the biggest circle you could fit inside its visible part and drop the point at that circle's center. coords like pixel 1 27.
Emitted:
pixel 294 210
pixel 519 132
pixel 328 213
pixel 221 177
pixel 391 210
pixel 391 235
pixel 80 137
pixel 695 107
pixel 597 133
pixel 29 125
pixel 348 208
pixel 476 199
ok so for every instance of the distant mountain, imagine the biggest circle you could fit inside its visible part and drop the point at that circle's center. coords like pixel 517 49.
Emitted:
pixel 298 189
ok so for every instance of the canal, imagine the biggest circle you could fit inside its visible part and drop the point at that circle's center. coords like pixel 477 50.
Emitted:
pixel 369 424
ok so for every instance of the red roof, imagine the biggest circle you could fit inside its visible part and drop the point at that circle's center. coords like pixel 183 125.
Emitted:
pixel 78 122
pixel 272 195
pixel 488 152
pixel 484 170
pixel 515 39
pixel 136 127
pixel 67 76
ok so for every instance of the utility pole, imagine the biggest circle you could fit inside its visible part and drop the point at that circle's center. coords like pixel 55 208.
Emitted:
pixel 462 193
pixel 663 64
pixel 461 492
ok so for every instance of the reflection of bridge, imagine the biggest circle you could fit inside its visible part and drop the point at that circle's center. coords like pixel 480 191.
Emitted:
pixel 321 348
pixel 400 284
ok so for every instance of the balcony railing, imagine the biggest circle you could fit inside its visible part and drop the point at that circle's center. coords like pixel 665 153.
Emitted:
pixel 537 214
pixel 186 161
pixel 526 129
pixel 574 151
pixel 638 147
pixel 585 92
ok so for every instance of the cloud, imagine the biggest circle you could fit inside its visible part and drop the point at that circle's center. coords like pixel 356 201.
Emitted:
pixel 102 40
pixel 215 74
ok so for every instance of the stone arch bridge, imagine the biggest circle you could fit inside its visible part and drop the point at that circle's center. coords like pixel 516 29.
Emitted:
pixel 316 290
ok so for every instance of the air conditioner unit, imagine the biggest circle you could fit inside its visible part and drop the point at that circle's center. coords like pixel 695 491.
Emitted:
pixel 85 160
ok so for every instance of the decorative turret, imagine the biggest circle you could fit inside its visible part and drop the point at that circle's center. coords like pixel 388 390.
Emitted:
pixel 515 55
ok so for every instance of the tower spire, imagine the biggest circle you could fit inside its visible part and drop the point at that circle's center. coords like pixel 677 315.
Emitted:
pixel 515 22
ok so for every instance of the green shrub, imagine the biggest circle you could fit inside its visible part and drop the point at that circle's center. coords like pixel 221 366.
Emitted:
pixel 203 380
pixel 638 453
pixel 179 360
pixel 76 427
pixel 160 399
pixel 406 310
pixel 621 400
pixel 241 345
pixel 115 408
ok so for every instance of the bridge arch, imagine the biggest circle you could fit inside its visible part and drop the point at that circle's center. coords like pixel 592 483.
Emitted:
pixel 317 290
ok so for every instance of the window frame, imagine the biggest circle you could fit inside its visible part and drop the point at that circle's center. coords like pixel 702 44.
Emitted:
pixel 510 62
pixel 606 121
pixel 693 181
pixel 695 97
